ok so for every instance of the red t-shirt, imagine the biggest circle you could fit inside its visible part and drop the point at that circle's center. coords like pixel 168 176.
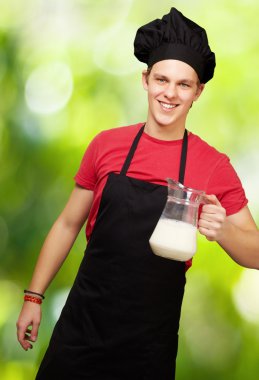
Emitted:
pixel 154 161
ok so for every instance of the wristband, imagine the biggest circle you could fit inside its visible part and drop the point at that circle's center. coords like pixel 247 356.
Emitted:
pixel 29 298
pixel 37 294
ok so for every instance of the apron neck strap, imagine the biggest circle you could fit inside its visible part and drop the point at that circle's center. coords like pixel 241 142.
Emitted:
pixel 132 151
pixel 183 157
pixel 134 147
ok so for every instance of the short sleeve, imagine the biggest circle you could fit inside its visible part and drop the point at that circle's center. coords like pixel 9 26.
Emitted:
pixel 226 185
pixel 86 175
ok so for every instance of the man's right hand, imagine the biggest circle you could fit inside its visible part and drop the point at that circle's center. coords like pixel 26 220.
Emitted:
pixel 28 324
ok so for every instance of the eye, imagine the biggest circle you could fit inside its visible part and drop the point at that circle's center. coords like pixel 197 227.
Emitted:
pixel 184 85
pixel 161 80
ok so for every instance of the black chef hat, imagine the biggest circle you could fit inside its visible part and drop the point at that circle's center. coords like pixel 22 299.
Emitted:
pixel 175 37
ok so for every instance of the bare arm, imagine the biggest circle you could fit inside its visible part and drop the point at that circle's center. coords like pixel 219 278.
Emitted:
pixel 237 234
pixel 53 253
pixel 61 238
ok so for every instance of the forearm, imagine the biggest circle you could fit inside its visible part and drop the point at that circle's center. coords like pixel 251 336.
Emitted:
pixel 237 234
pixel 53 253
pixel 241 245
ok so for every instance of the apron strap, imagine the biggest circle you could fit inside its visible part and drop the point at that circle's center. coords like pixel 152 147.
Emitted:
pixel 134 147
pixel 183 157
pixel 131 151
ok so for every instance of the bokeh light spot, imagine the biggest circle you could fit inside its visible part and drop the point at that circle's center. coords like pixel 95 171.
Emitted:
pixel 49 88
pixel 112 53
pixel 58 302
pixel 8 291
pixel 245 295
pixel 246 165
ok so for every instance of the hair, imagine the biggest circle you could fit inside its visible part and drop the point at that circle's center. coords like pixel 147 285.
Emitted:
pixel 149 68
pixel 148 71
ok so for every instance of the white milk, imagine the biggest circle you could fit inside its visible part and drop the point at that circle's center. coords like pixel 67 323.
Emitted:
pixel 174 239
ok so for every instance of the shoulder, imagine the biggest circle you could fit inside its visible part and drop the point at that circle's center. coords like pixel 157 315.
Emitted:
pixel 110 139
pixel 206 165
pixel 113 143
pixel 204 151
pixel 123 132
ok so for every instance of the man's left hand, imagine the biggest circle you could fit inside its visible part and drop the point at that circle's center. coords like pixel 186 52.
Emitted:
pixel 212 219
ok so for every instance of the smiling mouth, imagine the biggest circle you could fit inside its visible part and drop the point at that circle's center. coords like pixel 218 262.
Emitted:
pixel 168 106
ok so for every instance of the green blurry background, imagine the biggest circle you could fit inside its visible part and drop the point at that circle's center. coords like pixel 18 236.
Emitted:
pixel 67 71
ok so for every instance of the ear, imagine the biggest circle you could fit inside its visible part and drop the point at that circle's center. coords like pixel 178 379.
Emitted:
pixel 199 91
pixel 145 79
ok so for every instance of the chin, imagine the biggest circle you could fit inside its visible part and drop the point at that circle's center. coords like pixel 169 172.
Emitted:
pixel 167 123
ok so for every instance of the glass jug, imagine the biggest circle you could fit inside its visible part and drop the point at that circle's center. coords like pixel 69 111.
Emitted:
pixel 175 234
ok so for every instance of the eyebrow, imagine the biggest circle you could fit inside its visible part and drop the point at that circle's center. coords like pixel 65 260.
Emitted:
pixel 190 81
pixel 179 80
pixel 160 76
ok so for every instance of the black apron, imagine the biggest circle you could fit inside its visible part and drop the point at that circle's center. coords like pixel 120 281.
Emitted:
pixel 121 318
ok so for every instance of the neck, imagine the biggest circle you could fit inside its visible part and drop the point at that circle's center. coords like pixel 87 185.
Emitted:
pixel 166 133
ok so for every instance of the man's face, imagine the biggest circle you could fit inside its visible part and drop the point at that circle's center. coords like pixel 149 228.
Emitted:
pixel 172 87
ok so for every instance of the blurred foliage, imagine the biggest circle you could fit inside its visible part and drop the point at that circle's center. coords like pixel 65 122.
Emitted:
pixel 67 71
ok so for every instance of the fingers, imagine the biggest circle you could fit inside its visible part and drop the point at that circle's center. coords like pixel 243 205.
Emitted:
pixel 23 336
pixel 211 234
pixel 34 331
pixel 212 219
pixel 212 214
pixel 211 199
pixel 28 325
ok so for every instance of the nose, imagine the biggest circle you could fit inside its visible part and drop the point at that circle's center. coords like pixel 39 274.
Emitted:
pixel 170 91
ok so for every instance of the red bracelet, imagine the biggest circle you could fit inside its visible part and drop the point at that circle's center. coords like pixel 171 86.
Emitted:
pixel 32 299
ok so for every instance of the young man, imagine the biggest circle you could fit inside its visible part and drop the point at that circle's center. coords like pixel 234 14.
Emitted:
pixel 122 315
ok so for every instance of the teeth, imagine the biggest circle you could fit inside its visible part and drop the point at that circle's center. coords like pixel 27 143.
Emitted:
pixel 168 106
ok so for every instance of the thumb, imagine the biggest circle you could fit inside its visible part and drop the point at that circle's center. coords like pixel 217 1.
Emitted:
pixel 211 199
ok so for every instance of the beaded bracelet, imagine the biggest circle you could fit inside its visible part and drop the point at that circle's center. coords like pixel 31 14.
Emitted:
pixel 32 299
pixel 37 294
